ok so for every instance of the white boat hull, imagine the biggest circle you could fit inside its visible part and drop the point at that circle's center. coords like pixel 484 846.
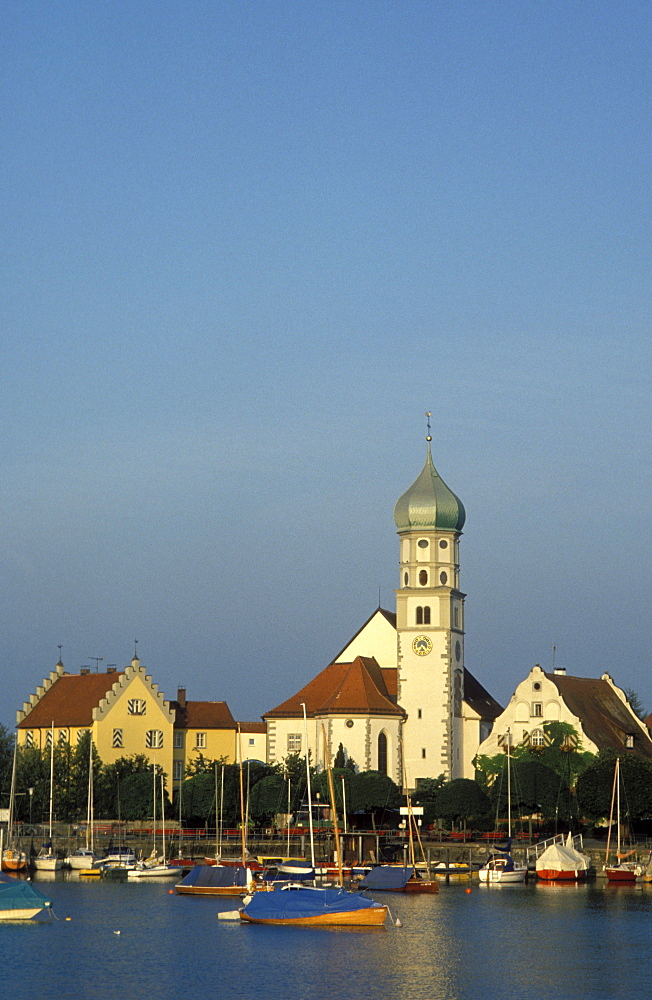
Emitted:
pixel 47 864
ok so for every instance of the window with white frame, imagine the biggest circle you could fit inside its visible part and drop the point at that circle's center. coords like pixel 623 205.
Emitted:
pixel 178 739
pixel 136 706
pixel 200 741
pixel 117 739
pixel 537 738
pixel 177 770
pixel 29 738
pixel 48 739
pixel 62 738
pixel 537 709
pixel 294 742
pixel 154 739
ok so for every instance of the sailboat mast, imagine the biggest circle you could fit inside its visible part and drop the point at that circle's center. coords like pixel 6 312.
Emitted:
pixel 242 805
pixel 307 754
pixel 509 788
pixel 618 808
pixel 331 791
pixel 51 779
pixel 162 819
pixel 89 807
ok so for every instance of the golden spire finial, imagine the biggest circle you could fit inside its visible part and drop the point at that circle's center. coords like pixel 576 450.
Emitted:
pixel 428 435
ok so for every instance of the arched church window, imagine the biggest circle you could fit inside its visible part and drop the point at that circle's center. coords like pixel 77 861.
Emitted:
pixel 426 616
pixel 423 577
pixel 405 579
pixel 419 616
pixel 382 753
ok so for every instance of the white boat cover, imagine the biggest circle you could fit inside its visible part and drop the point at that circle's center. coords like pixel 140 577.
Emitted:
pixel 563 858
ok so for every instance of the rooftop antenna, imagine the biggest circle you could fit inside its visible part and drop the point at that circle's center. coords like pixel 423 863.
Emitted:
pixel 98 660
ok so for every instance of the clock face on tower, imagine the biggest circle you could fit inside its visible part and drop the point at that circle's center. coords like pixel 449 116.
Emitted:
pixel 422 645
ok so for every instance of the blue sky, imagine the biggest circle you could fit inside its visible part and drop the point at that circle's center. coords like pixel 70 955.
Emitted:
pixel 245 247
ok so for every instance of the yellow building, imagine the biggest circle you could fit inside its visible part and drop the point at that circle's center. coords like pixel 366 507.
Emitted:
pixel 127 714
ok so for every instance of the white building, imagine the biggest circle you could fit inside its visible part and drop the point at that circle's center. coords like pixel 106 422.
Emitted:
pixel 595 707
pixel 398 697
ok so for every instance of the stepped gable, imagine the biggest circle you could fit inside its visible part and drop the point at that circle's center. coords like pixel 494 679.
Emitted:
pixel 135 669
pixel 479 699
pixel 606 718
pixel 353 688
pixel 69 701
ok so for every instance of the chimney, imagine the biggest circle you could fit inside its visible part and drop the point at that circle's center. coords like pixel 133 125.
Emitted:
pixel 85 670
pixel 181 697
pixel 111 670
pixel 560 670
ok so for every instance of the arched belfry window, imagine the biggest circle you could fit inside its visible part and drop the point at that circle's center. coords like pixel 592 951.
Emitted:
pixel 423 577
pixel 382 753
pixel 419 616
pixel 426 616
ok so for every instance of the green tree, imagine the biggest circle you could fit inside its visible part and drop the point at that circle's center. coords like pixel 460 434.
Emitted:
pixel 536 788
pixel 203 765
pixel 426 797
pixel 595 785
pixel 461 800
pixel 635 703
pixel 371 790
pixel 267 798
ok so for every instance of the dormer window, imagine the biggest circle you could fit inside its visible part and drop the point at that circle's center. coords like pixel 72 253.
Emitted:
pixel 629 741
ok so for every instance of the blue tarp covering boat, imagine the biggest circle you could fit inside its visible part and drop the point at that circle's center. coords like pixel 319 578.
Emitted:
pixel 19 900
pixel 209 879
pixel 387 877
pixel 313 906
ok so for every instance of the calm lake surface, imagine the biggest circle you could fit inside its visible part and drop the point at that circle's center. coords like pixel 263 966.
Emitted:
pixel 512 942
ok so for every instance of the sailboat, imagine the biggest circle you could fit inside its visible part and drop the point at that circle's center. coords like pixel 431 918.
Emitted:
pixel 622 870
pixel 156 867
pixel 46 860
pixel 84 857
pixel 310 906
pixel 501 866
pixel 13 859
pixel 402 878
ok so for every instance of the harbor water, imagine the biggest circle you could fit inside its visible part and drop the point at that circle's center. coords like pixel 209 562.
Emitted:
pixel 515 942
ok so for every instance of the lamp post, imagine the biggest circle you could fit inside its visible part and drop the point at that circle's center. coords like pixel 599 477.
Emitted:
pixel 31 796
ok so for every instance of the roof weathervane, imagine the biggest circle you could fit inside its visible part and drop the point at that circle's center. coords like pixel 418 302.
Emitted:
pixel 428 435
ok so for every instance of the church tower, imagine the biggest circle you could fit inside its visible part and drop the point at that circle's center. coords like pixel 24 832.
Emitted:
pixel 430 626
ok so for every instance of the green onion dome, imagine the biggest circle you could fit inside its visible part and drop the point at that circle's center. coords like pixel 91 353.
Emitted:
pixel 429 503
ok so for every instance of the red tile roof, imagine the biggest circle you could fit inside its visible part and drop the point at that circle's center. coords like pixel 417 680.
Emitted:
pixel 606 720
pixel 253 727
pixel 356 688
pixel 70 701
pixel 203 715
